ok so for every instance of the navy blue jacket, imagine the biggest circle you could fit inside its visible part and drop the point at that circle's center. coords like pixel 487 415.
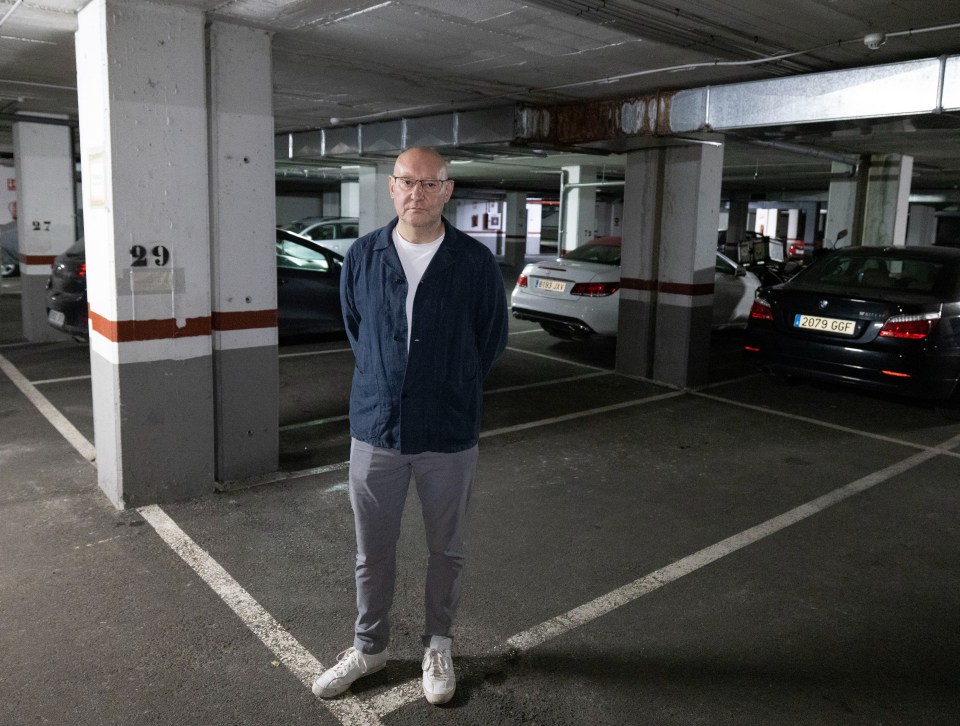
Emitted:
pixel 431 398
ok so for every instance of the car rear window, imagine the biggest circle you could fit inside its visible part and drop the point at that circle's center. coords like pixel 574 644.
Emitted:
pixel 879 272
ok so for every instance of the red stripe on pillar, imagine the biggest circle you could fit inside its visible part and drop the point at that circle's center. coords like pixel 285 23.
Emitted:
pixel 245 320
pixel 675 288
pixel 126 331
pixel 37 259
pixel 634 283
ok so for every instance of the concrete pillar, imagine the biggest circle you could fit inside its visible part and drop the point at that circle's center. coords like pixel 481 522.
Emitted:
pixel 841 209
pixel 375 205
pixel 46 222
pixel 143 137
pixel 579 208
pixel 515 237
pixel 887 200
pixel 350 199
pixel 737 223
pixel 671 208
pixel 331 205
pixel 243 260
pixel 922 225
pixel 793 224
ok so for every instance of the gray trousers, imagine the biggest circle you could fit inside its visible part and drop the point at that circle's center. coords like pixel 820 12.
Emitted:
pixel 379 480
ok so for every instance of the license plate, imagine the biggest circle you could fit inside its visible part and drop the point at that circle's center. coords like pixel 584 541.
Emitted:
pixel 825 325
pixel 551 285
pixel 56 317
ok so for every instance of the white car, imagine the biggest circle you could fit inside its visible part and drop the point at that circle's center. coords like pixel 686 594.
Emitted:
pixel 578 295
pixel 334 233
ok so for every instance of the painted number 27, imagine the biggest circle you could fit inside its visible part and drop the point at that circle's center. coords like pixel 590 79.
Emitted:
pixel 139 254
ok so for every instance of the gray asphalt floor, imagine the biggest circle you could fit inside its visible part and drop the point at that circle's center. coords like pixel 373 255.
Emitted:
pixel 742 553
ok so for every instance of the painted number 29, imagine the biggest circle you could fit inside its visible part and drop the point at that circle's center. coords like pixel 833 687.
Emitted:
pixel 139 254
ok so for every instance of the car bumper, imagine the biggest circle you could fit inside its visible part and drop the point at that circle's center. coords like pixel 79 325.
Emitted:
pixel 68 313
pixel 910 370
pixel 582 316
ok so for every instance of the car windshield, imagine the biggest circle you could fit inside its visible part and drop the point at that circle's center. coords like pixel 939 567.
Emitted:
pixel 605 254
pixel 883 271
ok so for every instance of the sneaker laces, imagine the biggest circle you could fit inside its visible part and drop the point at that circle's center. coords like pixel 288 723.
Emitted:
pixel 437 663
pixel 346 660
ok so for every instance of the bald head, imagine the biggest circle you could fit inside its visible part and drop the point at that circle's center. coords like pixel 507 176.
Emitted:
pixel 420 155
pixel 420 210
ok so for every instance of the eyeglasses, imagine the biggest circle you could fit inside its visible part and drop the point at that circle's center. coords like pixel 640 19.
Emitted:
pixel 430 186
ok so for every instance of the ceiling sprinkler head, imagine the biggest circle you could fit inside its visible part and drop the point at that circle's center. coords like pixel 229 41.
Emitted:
pixel 874 40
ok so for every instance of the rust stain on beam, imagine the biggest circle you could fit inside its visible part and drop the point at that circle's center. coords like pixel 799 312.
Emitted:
pixel 595 120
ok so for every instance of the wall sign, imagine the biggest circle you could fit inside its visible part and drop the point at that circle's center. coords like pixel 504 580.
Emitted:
pixel 140 257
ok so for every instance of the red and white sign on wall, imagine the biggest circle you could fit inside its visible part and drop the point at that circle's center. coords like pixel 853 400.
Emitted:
pixel 11 185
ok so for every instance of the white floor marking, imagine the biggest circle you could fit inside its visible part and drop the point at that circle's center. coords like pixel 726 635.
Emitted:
pixel 580 414
pixel 558 360
pixel 527 332
pixel 315 422
pixel 349 710
pixel 551 382
pixel 87 450
pixel 505 389
pixel 655 580
pixel 288 650
pixel 315 352
pixel 47 381
pixel 279 476
pixel 824 424
pixel 405 693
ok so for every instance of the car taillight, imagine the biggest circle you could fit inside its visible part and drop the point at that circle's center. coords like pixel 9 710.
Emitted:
pixel 595 289
pixel 522 280
pixel 911 327
pixel 761 310
pixel 82 270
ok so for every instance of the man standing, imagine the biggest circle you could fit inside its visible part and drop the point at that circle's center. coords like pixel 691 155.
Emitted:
pixel 426 315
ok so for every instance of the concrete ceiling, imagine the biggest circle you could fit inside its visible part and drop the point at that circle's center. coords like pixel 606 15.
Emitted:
pixel 342 62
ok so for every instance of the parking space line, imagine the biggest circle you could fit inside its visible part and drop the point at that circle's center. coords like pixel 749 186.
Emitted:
pixel 298 660
pixel 540 634
pixel 539 384
pixel 407 692
pixel 315 422
pixel 580 414
pixel 48 381
pixel 824 424
pixel 315 352
pixel 527 332
pixel 73 436
pixel 505 389
pixel 558 360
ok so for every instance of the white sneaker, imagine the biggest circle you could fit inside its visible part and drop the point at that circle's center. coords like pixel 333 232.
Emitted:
pixel 439 680
pixel 351 665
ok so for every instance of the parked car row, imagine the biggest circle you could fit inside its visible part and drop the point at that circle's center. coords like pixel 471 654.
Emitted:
pixel 880 318
pixel 308 288
pixel 578 295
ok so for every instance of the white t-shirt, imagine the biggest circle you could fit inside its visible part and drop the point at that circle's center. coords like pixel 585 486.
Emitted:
pixel 414 259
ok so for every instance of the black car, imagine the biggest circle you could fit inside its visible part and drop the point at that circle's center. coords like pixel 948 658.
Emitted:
pixel 67 292
pixel 882 318
pixel 308 288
